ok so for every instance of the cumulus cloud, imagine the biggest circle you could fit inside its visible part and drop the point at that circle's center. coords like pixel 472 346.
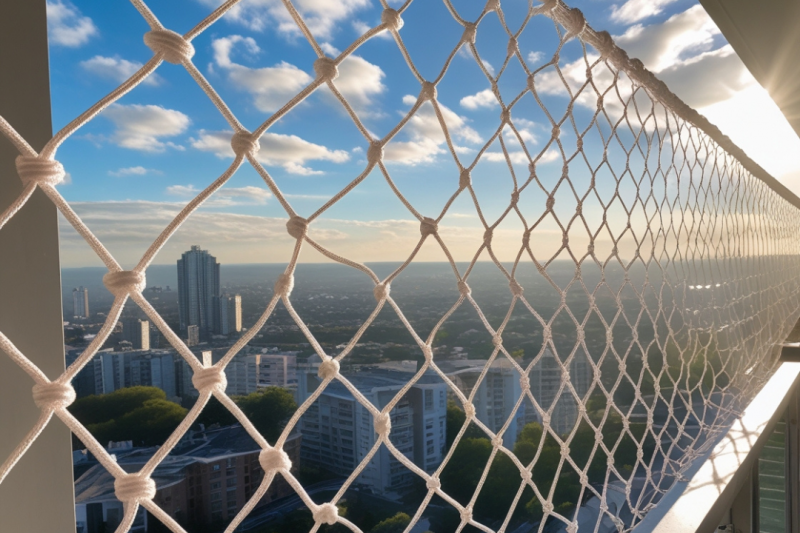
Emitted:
pixel 270 87
pixel 636 10
pixel 289 151
pixel 117 69
pixel 359 80
pixel 322 17
pixel 226 196
pixel 535 57
pixel 680 50
pixel 133 171
pixel 485 98
pixel 425 135
pixel 141 127
pixel 67 26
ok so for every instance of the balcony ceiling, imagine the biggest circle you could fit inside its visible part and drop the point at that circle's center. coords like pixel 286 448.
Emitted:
pixel 766 36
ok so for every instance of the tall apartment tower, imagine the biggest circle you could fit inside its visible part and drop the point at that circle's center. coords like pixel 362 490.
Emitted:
pixel 137 332
pixel 80 302
pixel 198 291
pixel 230 314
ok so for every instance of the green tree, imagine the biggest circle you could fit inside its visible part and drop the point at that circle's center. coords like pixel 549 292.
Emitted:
pixel 216 413
pixel 139 414
pixel 268 410
pixel 394 524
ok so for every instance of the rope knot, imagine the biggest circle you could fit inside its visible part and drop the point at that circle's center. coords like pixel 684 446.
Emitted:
pixel 464 179
pixel 383 425
pixel 516 288
pixel 604 43
pixel 125 282
pixel 470 30
pixel 433 483
pixel 327 513
pixel 556 131
pixel 297 227
pixel 391 18
pixel 574 21
pixel 39 171
pixel 427 352
pixel 505 116
pixel 381 291
pixel 551 201
pixel 375 152
pixel 618 57
pixel 328 368
pixel 464 289
pixel 53 395
pixel 526 476
pixel 208 379
pixel 545 419
pixel 466 514
pixel 512 47
pixel 130 488
pixel 590 248
pixel 514 198
pixel 487 237
pixel 526 238
pixel 469 411
pixel 531 83
pixel 325 68
pixel 547 6
pixel 497 339
pixel 525 383
pixel 243 144
pixel 428 91
pixel 274 459
pixel 497 441
pixel 285 284
pixel 492 5
pixel 547 507
pixel 428 226
pixel 172 46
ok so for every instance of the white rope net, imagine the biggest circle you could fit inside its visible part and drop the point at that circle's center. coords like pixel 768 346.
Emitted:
pixel 706 251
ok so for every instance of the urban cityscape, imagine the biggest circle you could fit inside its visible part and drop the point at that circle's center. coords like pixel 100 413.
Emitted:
pixel 137 389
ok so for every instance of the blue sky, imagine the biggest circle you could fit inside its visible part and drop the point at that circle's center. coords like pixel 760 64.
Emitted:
pixel 134 166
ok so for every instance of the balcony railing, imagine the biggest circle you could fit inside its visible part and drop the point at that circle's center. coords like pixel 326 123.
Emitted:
pixel 669 256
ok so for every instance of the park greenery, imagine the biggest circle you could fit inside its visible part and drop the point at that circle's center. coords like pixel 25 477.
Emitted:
pixel 146 417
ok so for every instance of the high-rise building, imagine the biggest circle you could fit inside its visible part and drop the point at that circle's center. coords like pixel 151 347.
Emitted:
pixel 137 332
pixel 338 431
pixel 198 291
pixel 192 335
pixel 80 302
pixel 230 314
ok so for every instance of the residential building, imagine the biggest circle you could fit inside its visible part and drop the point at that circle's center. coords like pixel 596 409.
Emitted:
pixel 137 332
pixel 198 291
pixel 338 431
pixel 230 314
pixel 193 335
pixel 203 483
pixel 80 302
pixel 248 373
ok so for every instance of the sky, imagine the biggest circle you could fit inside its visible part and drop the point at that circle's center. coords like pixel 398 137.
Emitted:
pixel 132 168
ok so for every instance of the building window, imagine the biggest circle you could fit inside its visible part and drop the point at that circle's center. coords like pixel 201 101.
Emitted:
pixel 231 482
pixel 215 485
pixel 428 399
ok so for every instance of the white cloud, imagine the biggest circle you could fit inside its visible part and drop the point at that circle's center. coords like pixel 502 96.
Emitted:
pixel 323 17
pixel 636 10
pixel 359 82
pixel 466 52
pixel 362 27
pixel 663 45
pixel 117 69
pixel 270 87
pixel 67 26
pixel 426 138
pixel 485 98
pixel 226 196
pixel 518 157
pixel 289 151
pixel 133 171
pixel 535 57
pixel 680 51
pixel 141 127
